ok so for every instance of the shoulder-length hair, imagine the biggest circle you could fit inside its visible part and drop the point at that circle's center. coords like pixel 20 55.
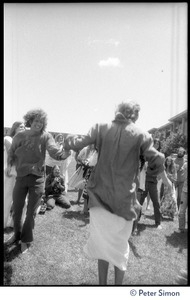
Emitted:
pixel 130 110
pixel 32 114
pixel 51 175
pixel 14 128
pixel 58 136
pixel 171 167
pixel 159 142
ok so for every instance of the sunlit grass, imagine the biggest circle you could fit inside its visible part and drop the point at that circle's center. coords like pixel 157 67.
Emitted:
pixel 57 258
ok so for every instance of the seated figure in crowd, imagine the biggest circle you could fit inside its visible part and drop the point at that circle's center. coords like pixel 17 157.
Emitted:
pixel 55 189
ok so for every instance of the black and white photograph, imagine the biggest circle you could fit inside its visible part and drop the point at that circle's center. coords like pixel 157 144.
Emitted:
pixel 96 147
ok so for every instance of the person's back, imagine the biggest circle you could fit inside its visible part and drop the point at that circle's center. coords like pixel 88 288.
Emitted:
pixel 117 168
pixel 112 186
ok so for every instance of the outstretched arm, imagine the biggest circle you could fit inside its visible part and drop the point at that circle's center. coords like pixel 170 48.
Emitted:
pixel 76 142
pixel 166 181
pixel 56 152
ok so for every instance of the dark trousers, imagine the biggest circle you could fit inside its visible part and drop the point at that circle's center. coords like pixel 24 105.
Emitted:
pixel 138 212
pixel 59 199
pixel 34 187
pixel 151 188
pixel 161 191
pixel 179 186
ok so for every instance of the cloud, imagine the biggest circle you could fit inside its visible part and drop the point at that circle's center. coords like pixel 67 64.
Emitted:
pixel 110 62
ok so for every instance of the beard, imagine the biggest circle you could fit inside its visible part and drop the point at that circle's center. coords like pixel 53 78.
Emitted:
pixel 180 155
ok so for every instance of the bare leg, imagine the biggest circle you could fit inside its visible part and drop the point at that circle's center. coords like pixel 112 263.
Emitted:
pixel 102 271
pixel 119 275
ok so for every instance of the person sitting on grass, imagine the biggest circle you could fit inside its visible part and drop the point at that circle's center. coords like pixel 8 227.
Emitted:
pixel 55 189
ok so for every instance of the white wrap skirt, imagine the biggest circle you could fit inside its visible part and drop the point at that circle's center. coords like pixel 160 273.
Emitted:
pixel 108 238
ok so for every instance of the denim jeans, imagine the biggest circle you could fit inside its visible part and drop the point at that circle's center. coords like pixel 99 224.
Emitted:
pixel 151 188
pixel 33 186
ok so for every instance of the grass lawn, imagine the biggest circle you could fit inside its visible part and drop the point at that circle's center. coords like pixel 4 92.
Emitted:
pixel 56 257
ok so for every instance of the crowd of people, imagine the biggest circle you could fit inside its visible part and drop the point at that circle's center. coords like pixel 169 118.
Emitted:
pixel 118 166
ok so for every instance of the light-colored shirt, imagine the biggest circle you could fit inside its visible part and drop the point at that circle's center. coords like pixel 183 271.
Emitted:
pixel 179 161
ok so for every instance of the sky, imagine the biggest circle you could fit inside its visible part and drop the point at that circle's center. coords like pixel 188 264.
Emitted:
pixel 78 61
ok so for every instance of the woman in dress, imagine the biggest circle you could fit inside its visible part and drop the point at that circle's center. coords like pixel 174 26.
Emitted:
pixel 51 162
pixel 63 165
pixel 168 204
pixel 9 182
pixel 88 165
pixel 77 180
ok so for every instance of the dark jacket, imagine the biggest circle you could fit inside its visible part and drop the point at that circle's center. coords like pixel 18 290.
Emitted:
pixel 28 152
pixel 58 187
pixel 112 183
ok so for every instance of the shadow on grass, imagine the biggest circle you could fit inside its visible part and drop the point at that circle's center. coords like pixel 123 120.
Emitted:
pixel 177 240
pixel 141 227
pixel 76 215
pixel 7 273
pixel 73 202
pixel 11 252
pixel 72 190
pixel 134 249
pixel 164 218
pixel 151 217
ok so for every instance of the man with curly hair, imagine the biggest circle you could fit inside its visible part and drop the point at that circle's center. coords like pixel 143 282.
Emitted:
pixel 27 153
